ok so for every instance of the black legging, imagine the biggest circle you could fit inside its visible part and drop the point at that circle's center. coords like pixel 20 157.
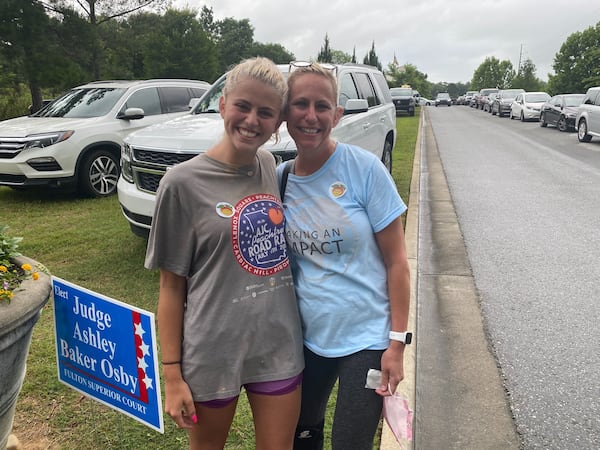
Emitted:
pixel 357 409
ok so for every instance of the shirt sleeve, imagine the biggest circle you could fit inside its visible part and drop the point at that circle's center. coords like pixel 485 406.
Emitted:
pixel 383 203
pixel 171 239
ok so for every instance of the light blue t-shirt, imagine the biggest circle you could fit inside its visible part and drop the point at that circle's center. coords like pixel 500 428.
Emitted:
pixel 339 273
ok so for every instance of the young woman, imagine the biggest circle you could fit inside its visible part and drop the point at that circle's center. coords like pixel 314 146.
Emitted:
pixel 227 314
pixel 348 257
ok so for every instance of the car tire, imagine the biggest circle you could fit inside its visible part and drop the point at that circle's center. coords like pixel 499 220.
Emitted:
pixel 562 124
pixel 386 157
pixel 99 173
pixel 522 117
pixel 543 122
pixel 411 112
pixel 510 116
pixel 582 134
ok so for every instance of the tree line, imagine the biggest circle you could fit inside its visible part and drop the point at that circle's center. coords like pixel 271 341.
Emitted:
pixel 51 45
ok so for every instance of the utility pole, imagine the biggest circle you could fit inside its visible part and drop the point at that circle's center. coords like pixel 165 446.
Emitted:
pixel 520 55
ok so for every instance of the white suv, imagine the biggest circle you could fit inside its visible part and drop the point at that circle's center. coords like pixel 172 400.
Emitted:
pixel 76 139
pixel 588 116
pixel 369 121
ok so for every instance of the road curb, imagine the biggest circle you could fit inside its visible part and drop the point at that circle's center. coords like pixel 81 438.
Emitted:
pixel 408 386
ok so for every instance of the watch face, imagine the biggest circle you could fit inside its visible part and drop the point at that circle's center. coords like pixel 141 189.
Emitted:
pixel 408 338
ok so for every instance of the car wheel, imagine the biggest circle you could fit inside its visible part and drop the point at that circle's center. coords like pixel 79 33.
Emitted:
pixel 411 112
pixel 386 157
pixel 522 117
pixel 99 173
pixel 543 122
pixel 582 134
pixel 510 116
pixel 562 124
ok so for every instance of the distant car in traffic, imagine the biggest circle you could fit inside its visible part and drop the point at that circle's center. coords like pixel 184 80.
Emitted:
pixel 527 106
pixel 425 101
pixel 561 111
pixel 443 98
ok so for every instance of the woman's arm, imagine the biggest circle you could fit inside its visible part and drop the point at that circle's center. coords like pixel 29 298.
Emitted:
pixel 393 249
pixel 171 300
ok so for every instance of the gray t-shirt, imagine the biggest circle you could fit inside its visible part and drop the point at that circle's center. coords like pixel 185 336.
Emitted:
pixel 223 229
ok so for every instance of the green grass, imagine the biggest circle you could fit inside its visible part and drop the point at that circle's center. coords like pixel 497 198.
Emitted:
pixel 88 242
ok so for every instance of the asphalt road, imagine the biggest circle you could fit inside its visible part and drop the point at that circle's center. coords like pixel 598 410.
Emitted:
pixel 527 202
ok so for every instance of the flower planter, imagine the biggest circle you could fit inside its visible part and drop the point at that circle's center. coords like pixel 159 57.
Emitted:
pixel 17 320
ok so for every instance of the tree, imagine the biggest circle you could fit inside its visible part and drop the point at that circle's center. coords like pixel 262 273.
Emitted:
pixel 340 57
pixel 493 73
pixel 179 48
pixel 97 12
pixel 526 78
pixel 371 58
pixel 325 55
pixel 577 64
pixel 275 52
pixel 39 62
pixel 408 74
pixel 235 40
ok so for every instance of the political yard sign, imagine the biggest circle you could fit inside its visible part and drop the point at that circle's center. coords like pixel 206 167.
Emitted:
pixel 106 349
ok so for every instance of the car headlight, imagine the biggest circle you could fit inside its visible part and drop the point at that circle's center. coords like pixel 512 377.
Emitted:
pixel 126 171
pixel 46 139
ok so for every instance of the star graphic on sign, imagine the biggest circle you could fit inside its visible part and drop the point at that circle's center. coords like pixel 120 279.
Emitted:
pixel 145 349
pixel 142 363
pixel 139 330
pixel 148 382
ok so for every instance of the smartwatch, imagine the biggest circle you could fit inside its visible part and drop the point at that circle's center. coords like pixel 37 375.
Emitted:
pixel 404 337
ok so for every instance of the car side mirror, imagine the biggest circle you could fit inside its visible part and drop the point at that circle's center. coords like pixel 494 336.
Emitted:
pixel 356 105
pixel 132 114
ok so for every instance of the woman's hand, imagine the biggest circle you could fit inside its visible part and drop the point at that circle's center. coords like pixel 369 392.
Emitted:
pixel 179 403
pixel 392 369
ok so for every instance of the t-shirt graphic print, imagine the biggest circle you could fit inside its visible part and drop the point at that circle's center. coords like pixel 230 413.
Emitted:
pixel 258 235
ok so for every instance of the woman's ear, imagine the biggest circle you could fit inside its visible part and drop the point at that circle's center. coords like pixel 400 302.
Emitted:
pixel 222 105
pixel 339 112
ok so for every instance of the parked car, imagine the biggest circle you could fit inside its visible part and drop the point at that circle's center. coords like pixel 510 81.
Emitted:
pixel 527 106
pixel 369 121
pixel 482 97
pixel 76 139
pixel 404 101
pixel 561 111
pixel 469 97
pixel 443 98
pixel 487 105
pixel 425 101
pixel 503 101
pixel 588 116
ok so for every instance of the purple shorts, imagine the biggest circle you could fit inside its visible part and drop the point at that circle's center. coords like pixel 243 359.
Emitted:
pixel 279 387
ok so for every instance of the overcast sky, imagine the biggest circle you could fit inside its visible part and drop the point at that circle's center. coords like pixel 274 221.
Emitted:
pixel 446 39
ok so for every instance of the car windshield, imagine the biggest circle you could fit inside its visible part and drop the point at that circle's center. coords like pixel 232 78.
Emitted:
pixel 511 94
pixel 401 91
pixel 443 95
pixel 574 100
pixel 81 103
pixel 210 101
pixel 536 98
